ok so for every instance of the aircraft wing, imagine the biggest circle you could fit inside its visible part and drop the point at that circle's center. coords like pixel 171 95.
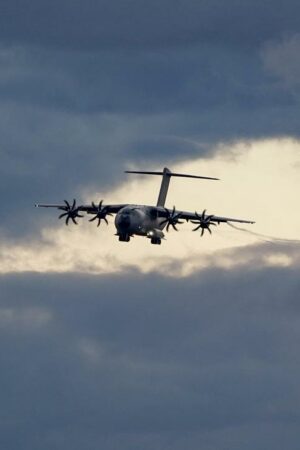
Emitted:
pixel 89 209
pixel 92 209
pixel 72 211
pixel 195 216
pixel 213 218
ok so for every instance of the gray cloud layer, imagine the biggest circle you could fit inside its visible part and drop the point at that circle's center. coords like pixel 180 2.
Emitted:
pixel 135 23
pixel 86 87
pixel 140 361
pixel 73 120
pixel 150 362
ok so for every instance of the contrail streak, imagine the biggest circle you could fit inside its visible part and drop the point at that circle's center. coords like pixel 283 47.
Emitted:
pixel 265 237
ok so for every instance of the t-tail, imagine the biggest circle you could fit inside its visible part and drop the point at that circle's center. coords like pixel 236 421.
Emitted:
pixel 166 177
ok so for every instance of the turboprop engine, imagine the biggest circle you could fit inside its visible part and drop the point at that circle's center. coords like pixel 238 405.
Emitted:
pixel 155 235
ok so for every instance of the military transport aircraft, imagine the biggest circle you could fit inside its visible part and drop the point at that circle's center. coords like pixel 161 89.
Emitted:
pixel 142 220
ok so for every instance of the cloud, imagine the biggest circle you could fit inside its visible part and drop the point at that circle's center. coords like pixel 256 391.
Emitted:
pixel 280 59
pixel 71 120
pixel 29 318
pixel 247 191
pixel 109 24
pixel 153 360
pixel 190 345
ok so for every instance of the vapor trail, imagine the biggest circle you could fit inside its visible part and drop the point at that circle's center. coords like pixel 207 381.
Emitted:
pixel 264 237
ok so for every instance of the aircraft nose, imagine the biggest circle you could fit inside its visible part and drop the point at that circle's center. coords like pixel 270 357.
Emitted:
pixel 123 221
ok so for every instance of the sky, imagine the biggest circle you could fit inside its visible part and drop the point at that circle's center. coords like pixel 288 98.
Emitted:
pixel 191 344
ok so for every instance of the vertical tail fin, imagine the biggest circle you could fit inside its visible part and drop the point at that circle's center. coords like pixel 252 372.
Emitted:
pixel 166 177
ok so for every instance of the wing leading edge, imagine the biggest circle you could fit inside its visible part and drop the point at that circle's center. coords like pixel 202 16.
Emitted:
pixel 189 216
pixel 70 211
pixel 89 209
pixel 202 221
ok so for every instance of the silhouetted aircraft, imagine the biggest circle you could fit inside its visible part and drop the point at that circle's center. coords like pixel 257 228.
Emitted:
pixel 143 220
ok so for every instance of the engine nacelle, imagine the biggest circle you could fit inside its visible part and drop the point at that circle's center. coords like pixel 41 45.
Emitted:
pixel 155 234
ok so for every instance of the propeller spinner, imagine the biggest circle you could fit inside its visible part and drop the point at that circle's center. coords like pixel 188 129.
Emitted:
pixel 101 213
pixel 172 219
pixel 203 222
pixel 71 212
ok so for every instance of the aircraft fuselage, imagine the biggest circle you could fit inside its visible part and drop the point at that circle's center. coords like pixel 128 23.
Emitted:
pixel 139 220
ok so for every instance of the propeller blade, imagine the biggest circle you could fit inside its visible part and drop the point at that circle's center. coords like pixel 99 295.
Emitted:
pixel 70 212
pixel 197 228
pixel 67 204
pixel 203 222
pixel 171 219
pixel 100 213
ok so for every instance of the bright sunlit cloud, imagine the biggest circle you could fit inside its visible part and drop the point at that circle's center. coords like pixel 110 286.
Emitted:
pixel 259 181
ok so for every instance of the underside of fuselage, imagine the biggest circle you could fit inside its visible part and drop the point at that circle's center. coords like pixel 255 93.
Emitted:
pixel 140 220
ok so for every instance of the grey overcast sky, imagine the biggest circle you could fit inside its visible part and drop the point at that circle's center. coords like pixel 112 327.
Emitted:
pixel 198 352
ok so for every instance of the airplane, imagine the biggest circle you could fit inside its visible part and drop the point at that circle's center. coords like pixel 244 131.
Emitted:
pixel 143 220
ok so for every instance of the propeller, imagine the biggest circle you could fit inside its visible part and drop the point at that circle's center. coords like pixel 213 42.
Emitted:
pixel 101 213
pixel 71 212
pixel 203 222
pixel 172 219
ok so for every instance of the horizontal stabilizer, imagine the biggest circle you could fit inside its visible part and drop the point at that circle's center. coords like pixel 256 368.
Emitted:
pixel 170 174
pixel 191 176
pixel 166 175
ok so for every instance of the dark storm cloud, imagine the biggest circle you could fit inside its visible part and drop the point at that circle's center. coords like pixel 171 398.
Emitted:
pixel 88 87
pixel 141 361
pixel 150 361
pixel 204 79
pixel 134 23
